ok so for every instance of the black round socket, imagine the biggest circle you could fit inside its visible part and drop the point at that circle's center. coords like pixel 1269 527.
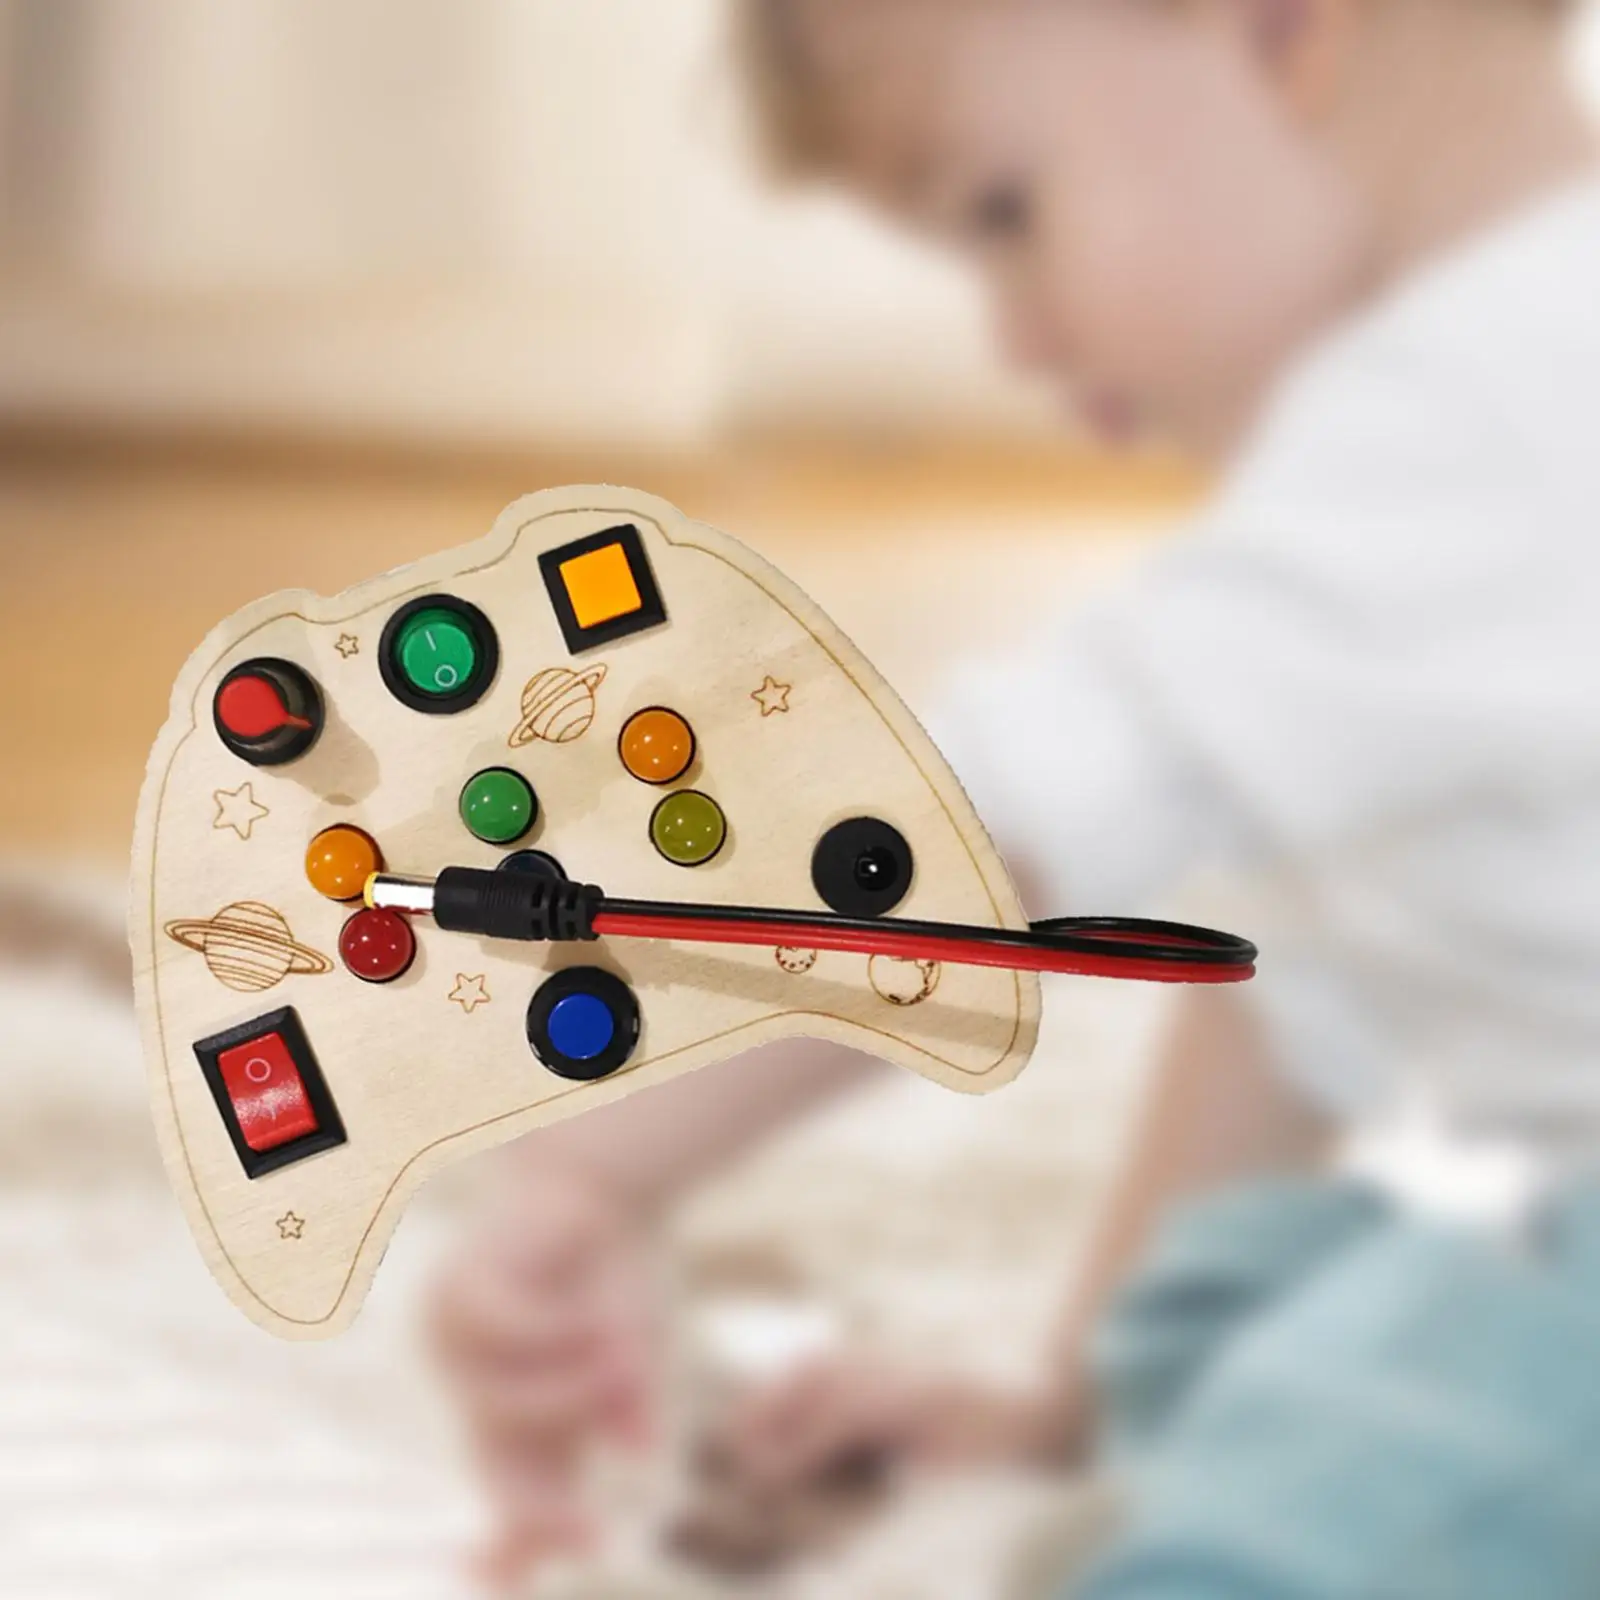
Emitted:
pixel 477 683
pixel 298 694
pixel 593 983
pixel 862 867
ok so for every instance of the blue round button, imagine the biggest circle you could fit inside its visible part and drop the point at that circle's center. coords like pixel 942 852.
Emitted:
pixel 583 1023
pixel 581 1026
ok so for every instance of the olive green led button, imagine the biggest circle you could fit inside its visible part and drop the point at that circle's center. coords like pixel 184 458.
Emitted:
pixel 437 651
pixel 498 805
pixel 688 828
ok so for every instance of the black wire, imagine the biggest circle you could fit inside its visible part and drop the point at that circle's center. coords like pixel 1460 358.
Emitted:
pixel 1210 945
pixel 1090 936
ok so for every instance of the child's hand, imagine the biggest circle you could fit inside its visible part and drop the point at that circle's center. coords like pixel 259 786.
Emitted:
pixel 544 1328
pixel 842 1413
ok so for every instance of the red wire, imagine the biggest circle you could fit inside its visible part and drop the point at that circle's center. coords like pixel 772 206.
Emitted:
pixel 911 947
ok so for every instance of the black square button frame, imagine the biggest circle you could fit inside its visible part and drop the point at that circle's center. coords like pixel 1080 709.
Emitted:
pixel 650 614
pixel 330 1128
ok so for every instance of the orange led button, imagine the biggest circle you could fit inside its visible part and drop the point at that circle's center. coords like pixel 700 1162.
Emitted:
pixel 340 860
pixel 602 588
pixel 657 745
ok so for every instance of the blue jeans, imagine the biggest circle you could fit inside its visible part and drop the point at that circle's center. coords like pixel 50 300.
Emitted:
pixel 1312 1398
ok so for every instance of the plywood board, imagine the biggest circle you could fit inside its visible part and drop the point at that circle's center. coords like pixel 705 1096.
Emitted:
pixel 795 731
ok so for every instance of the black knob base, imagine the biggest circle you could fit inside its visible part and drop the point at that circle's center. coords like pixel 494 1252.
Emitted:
pixel 268 711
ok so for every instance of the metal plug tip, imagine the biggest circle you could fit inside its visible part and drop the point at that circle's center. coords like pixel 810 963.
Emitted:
pixel 391 892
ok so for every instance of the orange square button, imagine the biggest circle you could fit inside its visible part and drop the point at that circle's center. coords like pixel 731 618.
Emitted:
pixel 600 586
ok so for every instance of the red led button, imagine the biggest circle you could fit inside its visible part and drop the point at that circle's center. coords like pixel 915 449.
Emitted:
pixel 378 946
pixel 269 1098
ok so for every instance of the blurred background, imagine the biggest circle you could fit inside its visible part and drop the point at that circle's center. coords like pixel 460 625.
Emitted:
pixel 293 291
pixel 296 292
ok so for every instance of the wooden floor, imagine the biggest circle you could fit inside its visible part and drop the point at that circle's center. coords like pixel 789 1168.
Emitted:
pixel 116 557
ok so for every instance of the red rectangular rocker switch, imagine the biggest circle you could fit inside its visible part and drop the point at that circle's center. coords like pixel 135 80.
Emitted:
pixel 270 1091
pixel 267 1092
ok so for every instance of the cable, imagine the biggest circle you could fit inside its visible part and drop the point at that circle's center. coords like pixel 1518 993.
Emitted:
pixel 1034 952
pixel 514 906
pixel 1097 946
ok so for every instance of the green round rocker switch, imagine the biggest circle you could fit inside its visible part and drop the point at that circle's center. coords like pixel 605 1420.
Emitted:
pixel 439 654
pixel 437 651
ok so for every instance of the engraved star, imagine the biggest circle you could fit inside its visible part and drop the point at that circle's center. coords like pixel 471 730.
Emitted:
pixel 469 993
pixel 290 1226
pixel 347 645
pixel 238 809
pixel 772 696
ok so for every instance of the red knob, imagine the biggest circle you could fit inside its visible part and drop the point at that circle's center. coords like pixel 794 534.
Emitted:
pixel 268 711
pixel 252 708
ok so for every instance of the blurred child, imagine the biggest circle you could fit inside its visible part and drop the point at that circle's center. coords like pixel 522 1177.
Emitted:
pixel 1350 248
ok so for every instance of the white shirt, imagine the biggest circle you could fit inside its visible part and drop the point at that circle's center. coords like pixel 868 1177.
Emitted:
pixel 1365 689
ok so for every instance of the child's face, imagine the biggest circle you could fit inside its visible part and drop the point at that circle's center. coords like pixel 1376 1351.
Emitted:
pixel 1158 231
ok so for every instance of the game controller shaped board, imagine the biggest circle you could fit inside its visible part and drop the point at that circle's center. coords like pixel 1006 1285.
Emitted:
pixel 364 937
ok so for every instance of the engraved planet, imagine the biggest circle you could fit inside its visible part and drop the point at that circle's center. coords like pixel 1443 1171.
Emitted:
pixel 902 982
pixel 793 959
pixel 557 706
pixel 248 946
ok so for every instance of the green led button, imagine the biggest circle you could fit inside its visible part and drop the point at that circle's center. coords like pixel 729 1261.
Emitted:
pixel 498 805
pixel 688 828
pixel 437 652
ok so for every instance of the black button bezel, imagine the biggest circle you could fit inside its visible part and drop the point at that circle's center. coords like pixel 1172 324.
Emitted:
pixel 330 1127
pixel 608 987
pixel 298 691
pixel 535 863
pixel 652 612
pixel 473 690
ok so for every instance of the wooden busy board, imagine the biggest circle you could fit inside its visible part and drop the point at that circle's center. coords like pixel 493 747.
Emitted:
pixel 599 603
